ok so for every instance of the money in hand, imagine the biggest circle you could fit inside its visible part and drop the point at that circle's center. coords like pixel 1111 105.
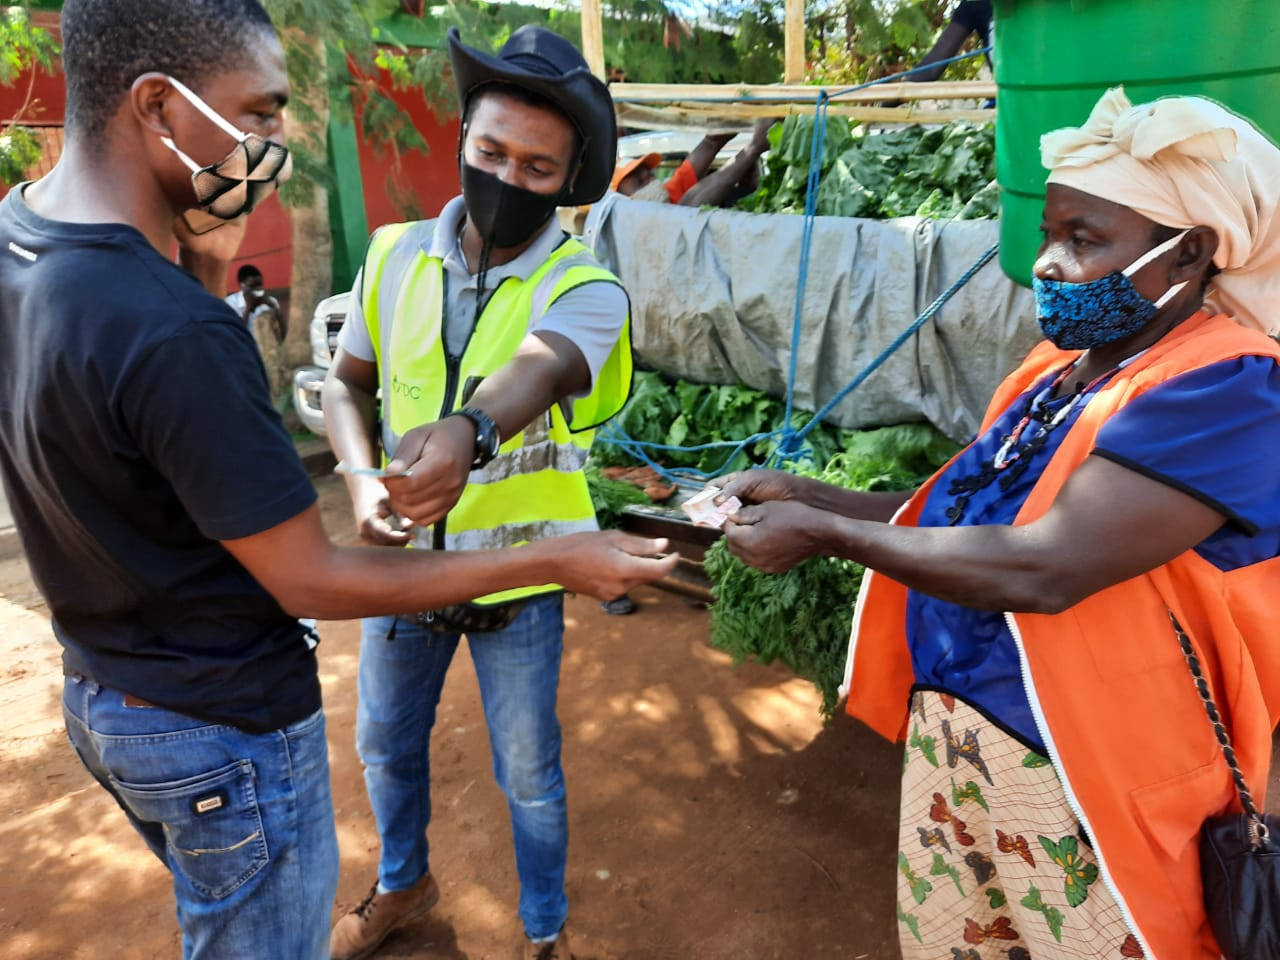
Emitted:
pixel 702 509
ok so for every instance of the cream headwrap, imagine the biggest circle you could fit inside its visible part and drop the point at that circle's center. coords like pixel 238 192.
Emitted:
pixel 1186 162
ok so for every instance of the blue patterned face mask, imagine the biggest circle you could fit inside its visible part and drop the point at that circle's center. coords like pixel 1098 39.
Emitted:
pixel 1078 316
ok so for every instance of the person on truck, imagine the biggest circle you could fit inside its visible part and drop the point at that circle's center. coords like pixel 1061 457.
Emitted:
pixel 1021 623
pixel 694 183
pixel 165 516
pixel 499 343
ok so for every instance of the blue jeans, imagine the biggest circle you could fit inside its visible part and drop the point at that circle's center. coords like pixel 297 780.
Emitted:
pixel 243 821
pixel 519 672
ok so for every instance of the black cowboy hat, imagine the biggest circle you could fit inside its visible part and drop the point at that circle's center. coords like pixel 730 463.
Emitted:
pixel 543 62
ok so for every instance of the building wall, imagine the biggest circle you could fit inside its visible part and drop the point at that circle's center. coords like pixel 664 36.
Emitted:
pixel 414 184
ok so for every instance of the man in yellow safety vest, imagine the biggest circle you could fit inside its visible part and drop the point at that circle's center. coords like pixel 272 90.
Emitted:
pixel 498 343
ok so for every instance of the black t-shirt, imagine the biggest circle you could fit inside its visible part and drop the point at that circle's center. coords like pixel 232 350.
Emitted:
pixel 975 16
pixel 136 431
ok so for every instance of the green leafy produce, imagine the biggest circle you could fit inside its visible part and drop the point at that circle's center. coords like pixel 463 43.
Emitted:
pixel 802 617
pixel 646 418
pixel 611 497
pixel 681 414
pixel 938 171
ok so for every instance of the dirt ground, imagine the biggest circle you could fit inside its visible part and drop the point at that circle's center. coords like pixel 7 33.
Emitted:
pixel 712 815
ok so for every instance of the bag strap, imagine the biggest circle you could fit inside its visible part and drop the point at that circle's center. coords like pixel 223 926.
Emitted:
pixel 1259 835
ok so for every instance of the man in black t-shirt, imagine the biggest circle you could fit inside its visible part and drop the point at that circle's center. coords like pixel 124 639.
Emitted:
pixel 164 513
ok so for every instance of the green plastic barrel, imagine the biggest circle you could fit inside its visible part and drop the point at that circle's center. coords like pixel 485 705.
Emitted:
pixel 1054 58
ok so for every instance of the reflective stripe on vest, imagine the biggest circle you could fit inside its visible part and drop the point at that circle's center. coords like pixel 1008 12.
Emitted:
pixel 535 487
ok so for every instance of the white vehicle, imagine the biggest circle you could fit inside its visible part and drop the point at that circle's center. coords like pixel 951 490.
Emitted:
pixel 308 381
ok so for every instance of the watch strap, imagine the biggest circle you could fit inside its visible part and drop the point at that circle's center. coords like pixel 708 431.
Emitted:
pixel 488 438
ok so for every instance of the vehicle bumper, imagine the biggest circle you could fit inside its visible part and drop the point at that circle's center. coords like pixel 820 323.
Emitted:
pixel 307 383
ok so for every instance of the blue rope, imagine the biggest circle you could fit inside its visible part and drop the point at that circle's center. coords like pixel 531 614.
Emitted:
pixel 790 440
pixel 789 447
pixel 930 312
pixel 817 145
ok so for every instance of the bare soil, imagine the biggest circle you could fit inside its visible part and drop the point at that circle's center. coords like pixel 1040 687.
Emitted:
pixel 712 814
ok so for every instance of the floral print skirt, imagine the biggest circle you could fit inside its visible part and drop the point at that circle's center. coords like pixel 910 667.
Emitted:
pixel 992 863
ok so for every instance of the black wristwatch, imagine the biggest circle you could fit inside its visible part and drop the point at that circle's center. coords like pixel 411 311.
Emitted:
pixel 487 437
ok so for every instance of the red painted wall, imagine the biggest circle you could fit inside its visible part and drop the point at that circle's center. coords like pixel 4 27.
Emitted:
pixel 425 182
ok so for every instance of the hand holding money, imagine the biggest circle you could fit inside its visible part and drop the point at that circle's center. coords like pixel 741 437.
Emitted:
pixel 702 509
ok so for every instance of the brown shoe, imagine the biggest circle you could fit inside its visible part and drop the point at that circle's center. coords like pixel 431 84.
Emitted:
pixel 361 932
pixel 557 949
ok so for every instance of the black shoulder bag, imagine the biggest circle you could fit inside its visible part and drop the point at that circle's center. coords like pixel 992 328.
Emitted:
pixel 1239 860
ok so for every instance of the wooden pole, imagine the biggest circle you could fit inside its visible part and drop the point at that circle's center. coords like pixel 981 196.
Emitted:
pixel 728 116
pixel 793 49
pixel 593 37
pixel 654 94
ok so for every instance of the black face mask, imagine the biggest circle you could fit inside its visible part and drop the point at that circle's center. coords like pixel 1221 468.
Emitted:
pixel 505 216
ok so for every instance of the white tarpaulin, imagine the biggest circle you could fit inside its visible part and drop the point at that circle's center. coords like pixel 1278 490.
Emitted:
pixel 713 296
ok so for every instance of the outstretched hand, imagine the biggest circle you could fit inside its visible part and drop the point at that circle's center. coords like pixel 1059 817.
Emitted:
pixel 607 564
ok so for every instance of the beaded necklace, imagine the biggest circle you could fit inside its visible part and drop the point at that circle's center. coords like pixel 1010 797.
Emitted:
pixel 1013 457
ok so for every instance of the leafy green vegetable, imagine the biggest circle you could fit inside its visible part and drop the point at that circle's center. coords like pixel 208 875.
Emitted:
pixel 936 172
pixel 611 497
pixel 802 617
pixel 681 414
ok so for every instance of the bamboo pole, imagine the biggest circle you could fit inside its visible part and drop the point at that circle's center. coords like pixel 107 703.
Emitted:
pixel 593 37
pixel 793 42
pixel 654 94
pixel 741 115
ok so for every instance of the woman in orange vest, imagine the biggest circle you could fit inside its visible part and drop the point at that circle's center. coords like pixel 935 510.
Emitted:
pixel 1016 622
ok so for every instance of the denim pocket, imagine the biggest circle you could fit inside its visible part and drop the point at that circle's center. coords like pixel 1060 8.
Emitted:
pixel 212 825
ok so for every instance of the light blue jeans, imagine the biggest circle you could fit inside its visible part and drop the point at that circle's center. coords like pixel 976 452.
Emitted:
pixel 243 821
pixel 519 672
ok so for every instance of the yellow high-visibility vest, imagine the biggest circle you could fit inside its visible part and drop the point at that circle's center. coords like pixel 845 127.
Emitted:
pixel 535 487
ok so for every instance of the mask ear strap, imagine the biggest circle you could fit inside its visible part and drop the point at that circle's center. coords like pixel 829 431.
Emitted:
pixel 1150 255
pixel 213 115
pixel 191 164
pixel 1170 294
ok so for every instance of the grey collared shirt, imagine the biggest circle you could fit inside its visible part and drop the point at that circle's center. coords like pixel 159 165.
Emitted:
pixel 590 316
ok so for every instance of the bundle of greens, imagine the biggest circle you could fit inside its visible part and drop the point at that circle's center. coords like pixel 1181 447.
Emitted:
pixel 611 497
pixel 941 172
pixel 676 413
pixel 802 617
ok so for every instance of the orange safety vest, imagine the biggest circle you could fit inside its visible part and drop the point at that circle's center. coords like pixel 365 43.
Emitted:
pixel 1106 679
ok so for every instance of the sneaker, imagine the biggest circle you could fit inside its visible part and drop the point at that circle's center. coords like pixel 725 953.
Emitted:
pixel 557 949
pixel 618 606
pixel 361 932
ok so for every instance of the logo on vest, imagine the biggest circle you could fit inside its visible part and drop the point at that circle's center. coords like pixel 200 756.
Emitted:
pixel 402 389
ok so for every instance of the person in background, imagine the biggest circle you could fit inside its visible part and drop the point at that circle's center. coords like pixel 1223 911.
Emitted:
pixel 970 18
pixel 163 511
pixel 1020 625
pixel 251 301
pixel 694 183
pixel 499 343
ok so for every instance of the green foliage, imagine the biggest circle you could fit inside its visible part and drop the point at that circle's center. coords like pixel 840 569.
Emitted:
pixel 802 618
pixel 645 40
pixel 611 497
pixel 23 45
pixel 333 54
pixel 853 41
pixel 682 414
pixel 941 172
pixel 24 49
pixel 19 151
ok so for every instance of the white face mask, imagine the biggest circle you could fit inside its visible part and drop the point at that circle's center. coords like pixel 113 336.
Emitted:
pixel 230 188
pixel 655 191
